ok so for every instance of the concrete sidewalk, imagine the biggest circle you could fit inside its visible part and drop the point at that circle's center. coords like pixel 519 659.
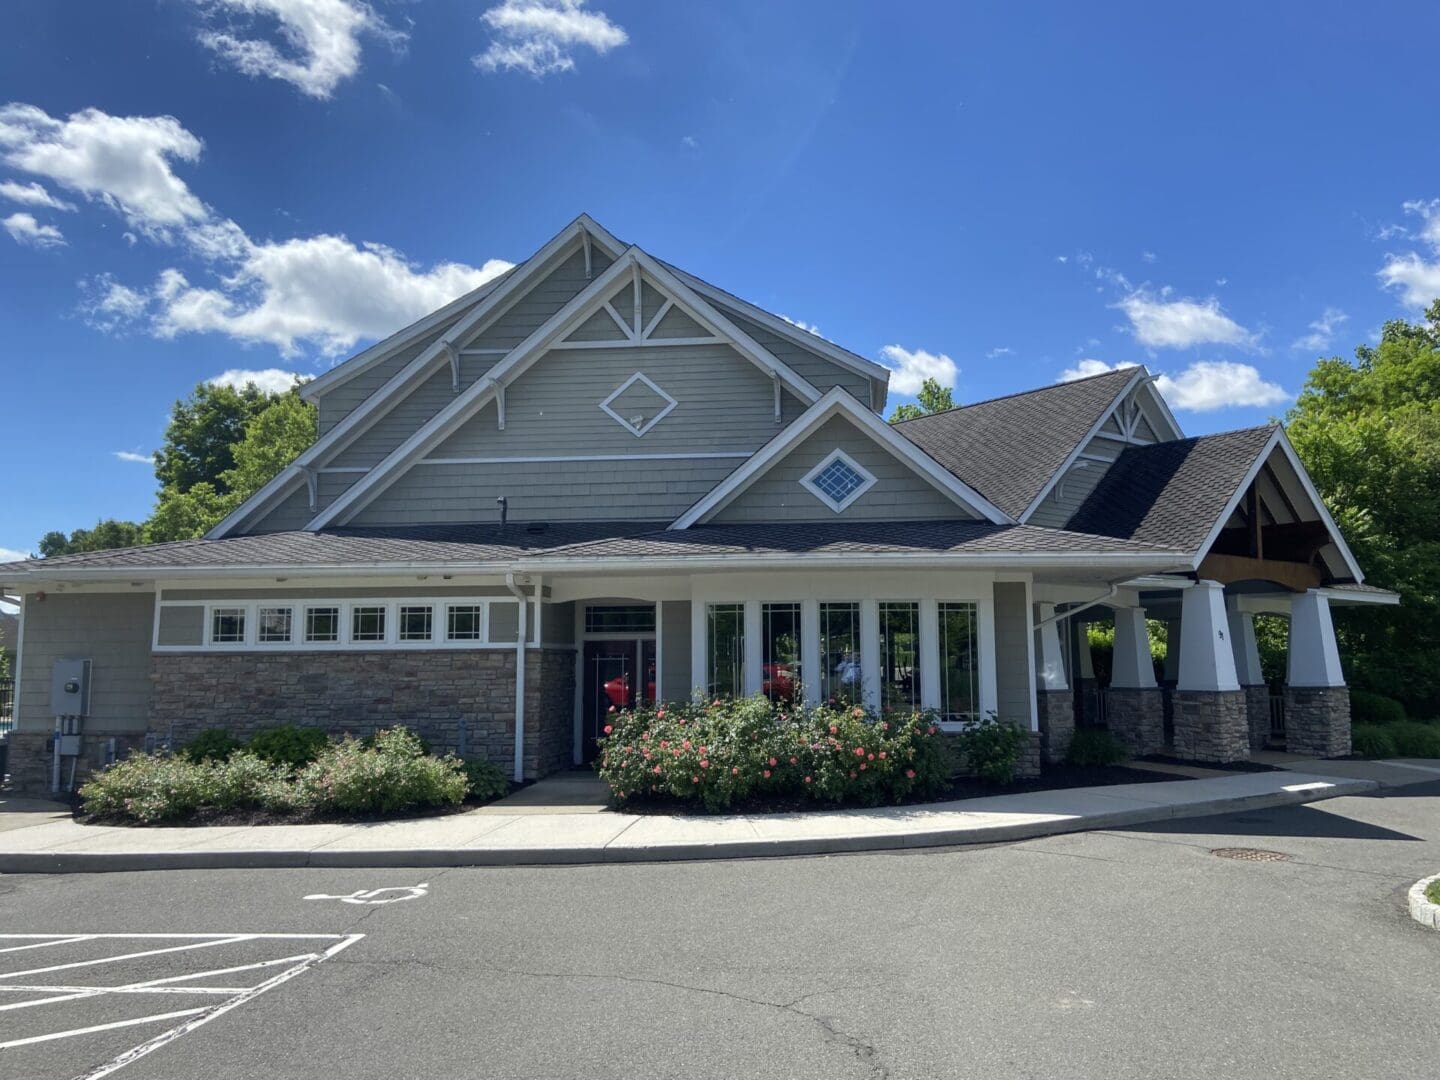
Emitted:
pixel 40 838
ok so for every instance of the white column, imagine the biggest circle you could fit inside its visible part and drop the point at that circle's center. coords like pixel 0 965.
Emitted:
pixel 1314 657
pixel 1133 669
pixel 1049 655
pixel 1242 642
pixel 752 675
pixel 985 656
pixel 1033 694
pixel 870 654
pixel 699 656
pixel 929 653
pixel 659 655
pixel 810 651
pixel 1206 660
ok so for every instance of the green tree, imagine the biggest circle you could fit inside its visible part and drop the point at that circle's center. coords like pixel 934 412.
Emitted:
pixel 106 535
pixel 932 398
pixel 1369 434
pixel 200 439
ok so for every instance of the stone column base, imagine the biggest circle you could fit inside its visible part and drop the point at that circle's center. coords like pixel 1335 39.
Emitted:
pixel 1257 712
pixel 1211 725
pixel 1317 720
pixel 1136 717
pixel 1028 764
pixel 1057 723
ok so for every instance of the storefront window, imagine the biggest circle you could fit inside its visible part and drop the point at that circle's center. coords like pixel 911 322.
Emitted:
pixel 725 657
pixel 959 682
pixel 780 651
pixel 899 656
pixel 840 673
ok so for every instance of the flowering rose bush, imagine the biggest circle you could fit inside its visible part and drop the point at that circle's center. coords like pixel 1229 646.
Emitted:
pixel 720 752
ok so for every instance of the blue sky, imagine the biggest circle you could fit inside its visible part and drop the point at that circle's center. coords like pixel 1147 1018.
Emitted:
pixel 999 194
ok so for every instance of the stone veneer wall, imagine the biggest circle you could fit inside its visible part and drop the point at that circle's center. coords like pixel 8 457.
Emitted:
pixel 1317 720
pixel 1136 716
pixel 1057 722
pixel 1028 765
pixel 1257 712
pixel 30 759
pixel 455 698
pixel 1211 725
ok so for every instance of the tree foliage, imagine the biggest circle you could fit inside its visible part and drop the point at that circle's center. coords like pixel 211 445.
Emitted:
pixel 1369 434
pixel 932 398
pixel 221 446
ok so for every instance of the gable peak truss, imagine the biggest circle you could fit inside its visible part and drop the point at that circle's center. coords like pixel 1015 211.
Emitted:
pixel 838 402
pixel 633 267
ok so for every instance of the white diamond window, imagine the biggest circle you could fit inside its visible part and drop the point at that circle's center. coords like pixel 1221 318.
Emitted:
pixel 638 404
pixel 838 480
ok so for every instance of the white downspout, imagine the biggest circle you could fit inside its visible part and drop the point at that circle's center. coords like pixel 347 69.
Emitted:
pixel 520 640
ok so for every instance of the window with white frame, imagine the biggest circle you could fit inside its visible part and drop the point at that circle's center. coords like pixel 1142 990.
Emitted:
pixel 322 625
pixel 899 656
pixel 367 622
pixel 838 480
pixel 840 672
pixel 725 650
pixel 227 626
pixel 780 635
pixel 465 622
pixel 273 625
pixel 959 661
pixel 417 622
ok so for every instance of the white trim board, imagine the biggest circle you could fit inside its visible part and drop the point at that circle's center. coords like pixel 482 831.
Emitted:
pixel 476 396
pixel 834 403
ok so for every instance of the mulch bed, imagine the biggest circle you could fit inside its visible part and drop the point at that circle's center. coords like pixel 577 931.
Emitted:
pixel 1053 778
pixel 1229 766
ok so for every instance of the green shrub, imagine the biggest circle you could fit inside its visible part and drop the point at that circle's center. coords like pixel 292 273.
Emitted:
pixel 392 773
pixel 147 788
pixel 1092 746
pixel 485 780
pixel 1412 739
pixel 1372 741
pixel 215 744
pixel 1432 891
pixel 423 743
pixel 991 749
pixel 288 745
pixel 1368 708
pixel 719 753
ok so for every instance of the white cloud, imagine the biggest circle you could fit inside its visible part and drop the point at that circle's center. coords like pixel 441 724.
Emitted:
pixel 1148 256
pixel 131 455
pixel 1417 277
pixel 321 39
pixel 11 555
pixel 1322 330
pixel 270 380
pixel 32 194
pixel 912 368
pixel 800 324
pixel 999 351
pixel 1159 322
pixel 540 36
pixel 690 142
pixel 24 229
pixel 324 291
pixel 110 306
pixel 1204 386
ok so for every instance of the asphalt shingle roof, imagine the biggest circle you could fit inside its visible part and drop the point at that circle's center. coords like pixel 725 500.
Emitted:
pixel 1171 493
pixel 1008 448
pixel 471 544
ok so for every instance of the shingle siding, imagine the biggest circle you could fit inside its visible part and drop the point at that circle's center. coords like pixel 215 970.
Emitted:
pixel 820 372
pixel 676 683
pixel 548 296
pixel 113 632
pixel 899 493
pixel 1014 677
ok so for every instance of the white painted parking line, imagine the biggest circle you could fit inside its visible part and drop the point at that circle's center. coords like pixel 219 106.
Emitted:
pixel 199 983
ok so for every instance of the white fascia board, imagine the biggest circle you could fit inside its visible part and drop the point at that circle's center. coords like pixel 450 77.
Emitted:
pixel 266 499
pixel 1176 432
pixel 777 325
pixel 1140 375
pixel 1126 562
pixel 835 401
pixel 402 339
pixel 701 310
pixel 1341 598
pixel 471 399
pixel 1234 501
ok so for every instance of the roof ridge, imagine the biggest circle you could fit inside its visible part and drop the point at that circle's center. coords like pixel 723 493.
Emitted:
pixel 1022 393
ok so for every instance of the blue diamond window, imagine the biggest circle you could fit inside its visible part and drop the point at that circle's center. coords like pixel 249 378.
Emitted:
pixel 838 481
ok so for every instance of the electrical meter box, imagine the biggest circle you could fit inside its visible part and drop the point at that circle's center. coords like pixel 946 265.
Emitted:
pixel 70 688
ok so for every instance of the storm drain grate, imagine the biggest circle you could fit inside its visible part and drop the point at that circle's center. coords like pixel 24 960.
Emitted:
pixel 1249 854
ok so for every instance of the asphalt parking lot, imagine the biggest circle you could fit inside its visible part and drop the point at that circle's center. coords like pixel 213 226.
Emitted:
pixel 1124 954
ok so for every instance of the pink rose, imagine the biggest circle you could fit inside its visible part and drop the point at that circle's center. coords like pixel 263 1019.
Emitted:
pixel 659 714
pixel 608 729
pixel 734 771
pixel 863 766
pixel 694 779
pixel 882 755
pixel 704 764
pixel 871 757
pixel 807 779
pixel 773 761
pixel 794 761
pixel 834 730
pixel 766 774
pixel 910 774
pixel 656 770
pixel 859 751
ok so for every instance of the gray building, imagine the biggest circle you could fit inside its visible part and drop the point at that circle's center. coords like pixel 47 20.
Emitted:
pixel 598 480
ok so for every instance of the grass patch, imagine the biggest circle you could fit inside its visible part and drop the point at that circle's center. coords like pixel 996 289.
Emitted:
pixel 1432 891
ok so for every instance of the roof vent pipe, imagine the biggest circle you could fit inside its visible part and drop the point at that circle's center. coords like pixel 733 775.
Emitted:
pixel 504 509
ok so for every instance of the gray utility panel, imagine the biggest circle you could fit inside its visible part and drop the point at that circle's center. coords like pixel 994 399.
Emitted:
pixel 70 688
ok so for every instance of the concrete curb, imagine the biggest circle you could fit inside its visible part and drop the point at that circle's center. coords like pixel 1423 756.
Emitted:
pixel 1421 909
pixel 81 862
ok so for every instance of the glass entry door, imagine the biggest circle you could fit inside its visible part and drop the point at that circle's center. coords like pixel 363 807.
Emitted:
pixel 619 675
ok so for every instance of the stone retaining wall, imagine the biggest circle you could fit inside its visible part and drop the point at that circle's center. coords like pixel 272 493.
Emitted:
pixel 1317 720
pixel 1211 725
